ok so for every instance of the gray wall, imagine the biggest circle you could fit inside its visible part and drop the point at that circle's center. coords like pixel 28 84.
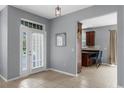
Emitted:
pixel 3 42
pixel 64 58
pixel 14 17
pixel 120 70
pixel 102 37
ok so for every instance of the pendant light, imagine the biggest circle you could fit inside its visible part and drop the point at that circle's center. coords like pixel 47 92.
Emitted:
pixel 58 11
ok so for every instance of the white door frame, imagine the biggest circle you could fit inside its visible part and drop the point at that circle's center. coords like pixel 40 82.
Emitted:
pixel 45 52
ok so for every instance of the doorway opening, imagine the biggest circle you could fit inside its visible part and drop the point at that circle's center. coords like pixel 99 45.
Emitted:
pixel 32 48
pixel 97 49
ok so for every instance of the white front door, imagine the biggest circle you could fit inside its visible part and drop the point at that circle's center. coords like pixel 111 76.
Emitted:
pixel 32 50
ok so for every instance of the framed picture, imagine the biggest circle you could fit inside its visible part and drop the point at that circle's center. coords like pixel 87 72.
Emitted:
pixel 61 39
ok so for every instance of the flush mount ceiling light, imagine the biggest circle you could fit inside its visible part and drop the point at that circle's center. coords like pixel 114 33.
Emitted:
pixel 58 11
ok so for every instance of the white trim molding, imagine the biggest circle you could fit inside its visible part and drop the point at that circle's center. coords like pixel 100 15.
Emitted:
pixel 3 78
pixel 52 69
pixel 14 79
pixel 6 80
pixel 19 77
pixel 63 72
pixel 118 86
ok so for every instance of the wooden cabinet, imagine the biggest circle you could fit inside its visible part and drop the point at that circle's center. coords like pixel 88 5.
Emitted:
pixel 86 59
pixel 87 56
pixel 90 38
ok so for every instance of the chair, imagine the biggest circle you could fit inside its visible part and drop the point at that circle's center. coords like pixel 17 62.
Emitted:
pixel 97 58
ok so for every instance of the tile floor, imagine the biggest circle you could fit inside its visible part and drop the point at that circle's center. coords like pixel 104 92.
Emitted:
pixel 90 77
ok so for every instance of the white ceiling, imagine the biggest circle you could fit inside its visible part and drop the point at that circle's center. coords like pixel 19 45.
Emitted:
pixel 109 19
pixel 48 11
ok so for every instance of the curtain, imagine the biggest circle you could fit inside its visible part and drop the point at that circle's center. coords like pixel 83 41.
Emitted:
pixel 113 47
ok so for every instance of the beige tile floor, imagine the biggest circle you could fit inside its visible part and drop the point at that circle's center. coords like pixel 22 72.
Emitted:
pixel 90 77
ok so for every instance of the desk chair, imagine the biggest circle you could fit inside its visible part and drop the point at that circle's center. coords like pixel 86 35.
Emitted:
pixel 97 58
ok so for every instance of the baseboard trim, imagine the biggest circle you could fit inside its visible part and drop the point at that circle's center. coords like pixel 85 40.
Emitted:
pixel 3 78
pixel 7 80
pixel 107 64
pixel 118 86
pixel 19 77
pixel 63 72
pixel 14 79
pixel 52 69
pixel 38 71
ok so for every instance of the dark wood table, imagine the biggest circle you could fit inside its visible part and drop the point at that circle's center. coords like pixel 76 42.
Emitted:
pixel 86 54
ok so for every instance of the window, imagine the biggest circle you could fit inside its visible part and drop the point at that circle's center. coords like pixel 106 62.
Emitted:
pixel 32 25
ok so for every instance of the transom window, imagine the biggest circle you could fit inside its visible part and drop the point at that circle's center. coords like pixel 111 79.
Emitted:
pixel 31 25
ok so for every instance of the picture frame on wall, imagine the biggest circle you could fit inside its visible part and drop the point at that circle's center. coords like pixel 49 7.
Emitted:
pixel 61 39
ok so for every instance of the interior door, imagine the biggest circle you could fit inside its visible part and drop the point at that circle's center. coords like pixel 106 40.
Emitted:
pixel 32 50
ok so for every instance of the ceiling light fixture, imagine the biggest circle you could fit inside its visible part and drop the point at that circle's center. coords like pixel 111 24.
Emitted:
pixel 58 11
